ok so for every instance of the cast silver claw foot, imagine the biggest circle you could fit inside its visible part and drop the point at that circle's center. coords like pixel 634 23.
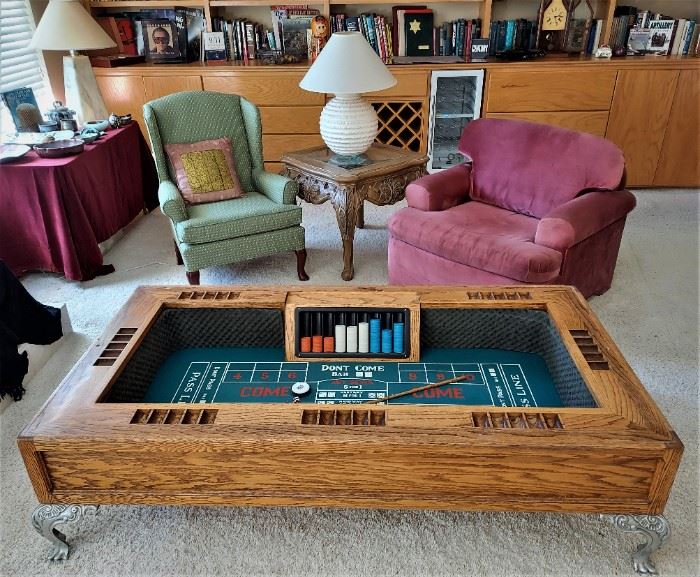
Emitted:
pixel 654 528
pixel 46 517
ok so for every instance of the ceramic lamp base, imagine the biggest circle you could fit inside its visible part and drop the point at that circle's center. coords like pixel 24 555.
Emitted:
pixel 348 125
pixel 82 92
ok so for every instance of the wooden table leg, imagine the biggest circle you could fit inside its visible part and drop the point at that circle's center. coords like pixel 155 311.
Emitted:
pixel 361 215
pixel 347 209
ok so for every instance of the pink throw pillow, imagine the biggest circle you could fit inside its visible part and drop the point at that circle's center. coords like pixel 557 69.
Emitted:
pixel 205 170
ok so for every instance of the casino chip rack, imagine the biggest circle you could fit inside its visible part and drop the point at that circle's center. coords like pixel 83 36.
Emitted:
pixel 373 328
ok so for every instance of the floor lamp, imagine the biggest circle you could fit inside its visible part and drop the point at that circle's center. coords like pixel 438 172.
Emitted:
pixel 66 25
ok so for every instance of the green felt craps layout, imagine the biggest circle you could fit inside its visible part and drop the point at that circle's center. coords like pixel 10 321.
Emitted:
pixel 495 377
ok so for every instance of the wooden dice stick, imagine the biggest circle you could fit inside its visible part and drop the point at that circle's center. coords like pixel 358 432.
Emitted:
pixel 417 390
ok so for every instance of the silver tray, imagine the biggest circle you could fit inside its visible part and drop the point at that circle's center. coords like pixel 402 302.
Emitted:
pixel 59 148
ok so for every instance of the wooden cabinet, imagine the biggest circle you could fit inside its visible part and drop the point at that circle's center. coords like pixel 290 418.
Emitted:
pixel 280 120
pixel 591 121
pixel 577 101
pixel 157 86
pixel 409 83
pixel 679 162
pixel 279 88
pixel 647 106
pixel 560 90
pixel 638 117
pixel 123 95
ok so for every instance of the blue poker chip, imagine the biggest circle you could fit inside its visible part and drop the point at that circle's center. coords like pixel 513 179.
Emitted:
pixel 300 389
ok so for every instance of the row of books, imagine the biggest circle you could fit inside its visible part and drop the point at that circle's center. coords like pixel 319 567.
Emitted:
pixel 662 35
pixel 374 28
pixel 455 38
pixel 242 40
pixel 411 33
pixel 646 32
pixel 518 34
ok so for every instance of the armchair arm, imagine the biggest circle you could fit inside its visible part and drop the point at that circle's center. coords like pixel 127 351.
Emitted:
pixel 582 217
pixel 171 202
pixel 441 190
pixel 276 187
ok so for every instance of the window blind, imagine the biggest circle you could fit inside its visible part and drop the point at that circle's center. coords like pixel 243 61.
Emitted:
pixel 19 65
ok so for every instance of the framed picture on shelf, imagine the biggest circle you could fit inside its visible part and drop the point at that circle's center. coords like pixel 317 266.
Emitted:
pixel 160 41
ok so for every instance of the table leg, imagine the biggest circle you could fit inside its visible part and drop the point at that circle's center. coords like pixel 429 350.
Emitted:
pixel 361 215
pixel 347 207
pixel 46 517
pixel 654 529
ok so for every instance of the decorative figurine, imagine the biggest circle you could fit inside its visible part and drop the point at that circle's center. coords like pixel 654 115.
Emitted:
pixel 60 112
pixel 319 33
pixel 603 52
pixel 116 121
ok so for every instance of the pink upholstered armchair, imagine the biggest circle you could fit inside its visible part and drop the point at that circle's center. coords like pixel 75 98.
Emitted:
pixel 538 204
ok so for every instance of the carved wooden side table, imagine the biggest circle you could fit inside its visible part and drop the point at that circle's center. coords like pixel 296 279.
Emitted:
pixel 382 180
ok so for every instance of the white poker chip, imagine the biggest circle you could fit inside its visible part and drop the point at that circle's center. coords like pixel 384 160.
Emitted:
pixel 301 388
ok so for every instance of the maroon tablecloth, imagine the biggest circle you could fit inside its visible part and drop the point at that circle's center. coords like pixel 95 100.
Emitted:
pixel 54 212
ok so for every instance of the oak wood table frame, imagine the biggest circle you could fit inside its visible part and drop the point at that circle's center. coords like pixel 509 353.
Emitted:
pixel 616 457
pixel 382 181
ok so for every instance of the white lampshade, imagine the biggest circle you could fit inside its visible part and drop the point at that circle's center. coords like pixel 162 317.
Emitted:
pixel 347 65
pixel 66 25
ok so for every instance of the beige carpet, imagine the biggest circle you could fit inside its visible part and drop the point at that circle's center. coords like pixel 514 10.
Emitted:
pixel 651 311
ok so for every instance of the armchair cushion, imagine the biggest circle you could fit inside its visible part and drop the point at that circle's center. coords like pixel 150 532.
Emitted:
pixel 582 217
pixel 235 218
pixel 441 190
pixel 205 170
pixel 481 236
pixel 533 168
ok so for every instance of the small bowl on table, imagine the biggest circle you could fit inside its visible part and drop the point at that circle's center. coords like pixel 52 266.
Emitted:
pixel 60 148
pixel 98 125
pixel 48 126
pixel 88 135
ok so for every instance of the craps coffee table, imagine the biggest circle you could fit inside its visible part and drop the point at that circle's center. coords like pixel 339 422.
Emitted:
pixel 458 398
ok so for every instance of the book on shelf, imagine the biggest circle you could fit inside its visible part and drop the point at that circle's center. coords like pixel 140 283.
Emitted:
pixel 161 41
pixel 121 30
pixel 280 15
pixel 294 36
pixel 397 24
pixel 661 32
pixel 214 46
pixel 190 26
pixel 638 41
pixel 577 35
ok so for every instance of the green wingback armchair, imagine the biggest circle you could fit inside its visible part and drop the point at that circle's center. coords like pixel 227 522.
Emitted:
pixel 266 221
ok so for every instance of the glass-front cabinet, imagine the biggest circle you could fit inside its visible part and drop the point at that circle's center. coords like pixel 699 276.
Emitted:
pixel 455 100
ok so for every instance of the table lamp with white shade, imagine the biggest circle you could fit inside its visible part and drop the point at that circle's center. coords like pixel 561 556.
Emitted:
pixel 347 66
pixel 66 25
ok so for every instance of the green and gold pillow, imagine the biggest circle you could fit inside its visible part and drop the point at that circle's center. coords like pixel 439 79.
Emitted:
pixel 205 171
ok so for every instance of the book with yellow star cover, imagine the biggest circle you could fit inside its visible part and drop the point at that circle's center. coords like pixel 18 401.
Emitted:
pixel 418 30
